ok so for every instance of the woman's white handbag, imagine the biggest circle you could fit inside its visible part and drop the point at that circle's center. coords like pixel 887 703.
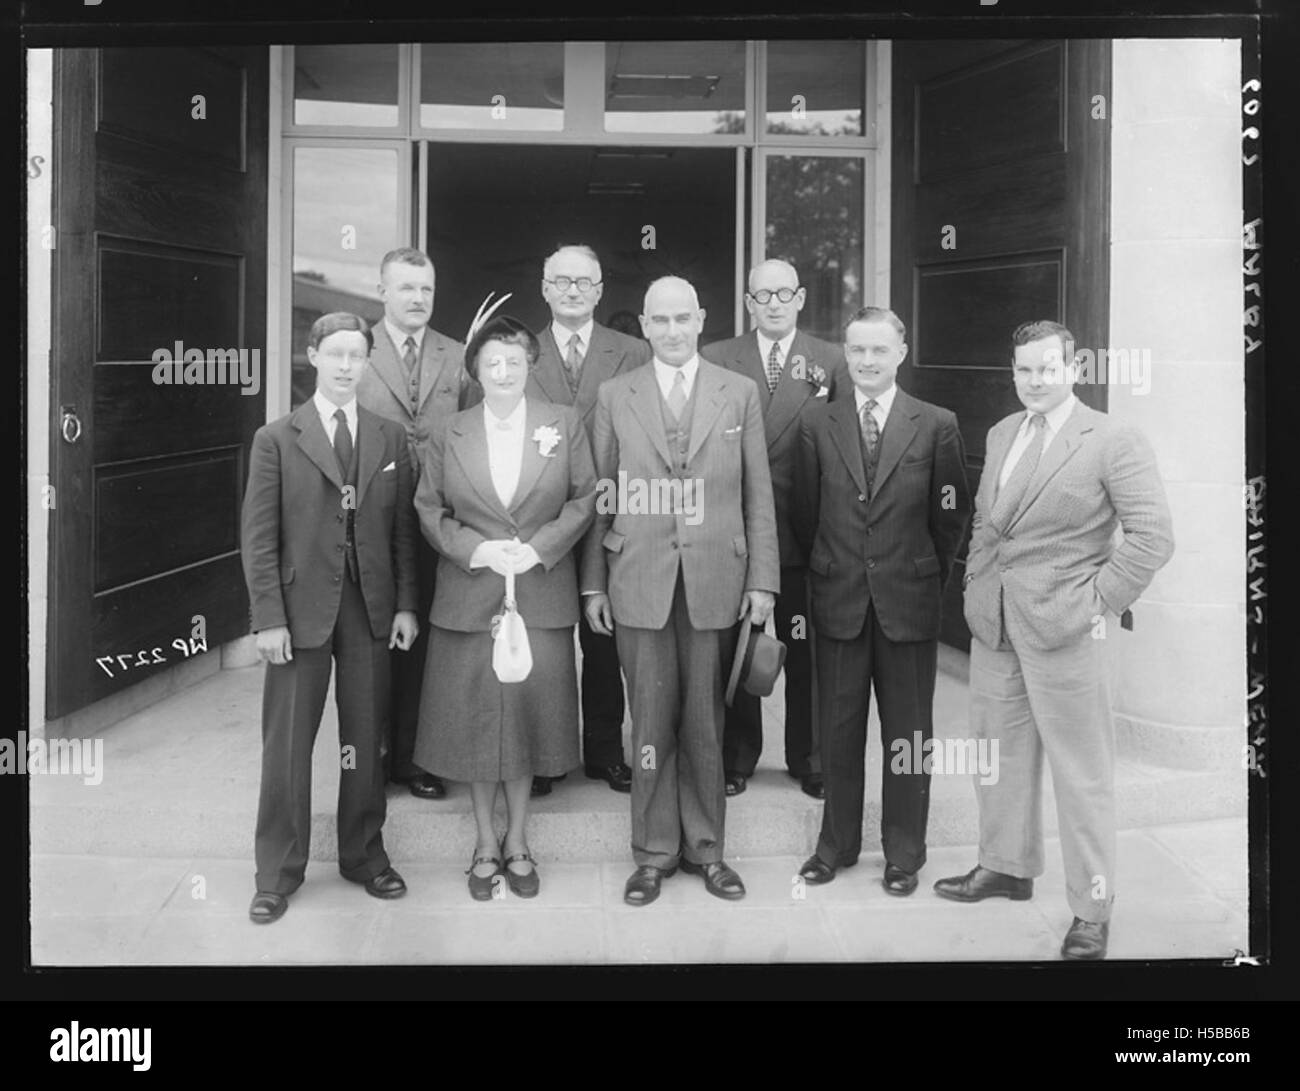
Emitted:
pixel 512 658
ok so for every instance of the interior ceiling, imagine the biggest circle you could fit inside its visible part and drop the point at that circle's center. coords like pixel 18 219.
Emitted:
pixel 531 74
pixel 485 173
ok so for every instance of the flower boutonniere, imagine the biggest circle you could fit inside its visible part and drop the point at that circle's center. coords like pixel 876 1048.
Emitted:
pixel 546 439
pixel 812 373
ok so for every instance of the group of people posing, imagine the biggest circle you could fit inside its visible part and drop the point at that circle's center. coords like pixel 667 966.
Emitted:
pixel 386 517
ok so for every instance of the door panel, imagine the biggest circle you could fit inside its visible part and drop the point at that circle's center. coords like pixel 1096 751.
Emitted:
pixel 1000 215
pixel 160 205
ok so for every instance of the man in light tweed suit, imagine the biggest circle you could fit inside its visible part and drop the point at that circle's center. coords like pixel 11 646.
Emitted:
pixel 1045 583
pixel 672 584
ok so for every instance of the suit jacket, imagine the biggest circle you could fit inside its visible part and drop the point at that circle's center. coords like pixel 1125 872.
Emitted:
pixel 731 548
pixel 782 410
pixel 610 353
pixel 552 507
pixel 294 526
pixel 894 546
pixel 1054 567
pixel 445 387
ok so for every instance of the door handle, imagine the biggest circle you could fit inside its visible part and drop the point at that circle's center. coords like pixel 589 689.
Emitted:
pixel 69 424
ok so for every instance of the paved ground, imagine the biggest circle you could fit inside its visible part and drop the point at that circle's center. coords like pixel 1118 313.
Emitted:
pixel 1182 895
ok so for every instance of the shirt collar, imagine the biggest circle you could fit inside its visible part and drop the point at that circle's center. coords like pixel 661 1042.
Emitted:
pixel 563 333
pixel 664 373
pixel 398 336
pixel 515 420
pixel 765 345
pixel 884 402
pixel 327 409
pixel 1056 417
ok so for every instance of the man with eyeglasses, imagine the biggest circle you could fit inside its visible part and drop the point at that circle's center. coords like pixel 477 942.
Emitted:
pixel 577 355
pixel 417 378
pixel 793 371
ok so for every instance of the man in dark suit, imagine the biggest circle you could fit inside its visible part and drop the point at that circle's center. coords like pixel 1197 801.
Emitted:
pixel 1045 583
pixel 577 355
pixel 328 533
pixel 792 370
pixel 686 548
pixel 417 378
pixel 881 505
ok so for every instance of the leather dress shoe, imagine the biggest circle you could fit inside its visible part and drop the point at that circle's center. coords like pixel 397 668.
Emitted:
pixel 719 879
pixel 1086 940
pixel 897 881
pixel 980 883
pixel 387 884
pixel 735 784
pixel 643 887
pixel 267 907
pixel 541 787
pixel 618 776
pixel 427 786
pixel 816 871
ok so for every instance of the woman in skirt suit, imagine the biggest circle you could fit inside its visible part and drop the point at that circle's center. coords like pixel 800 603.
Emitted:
pixel 507 485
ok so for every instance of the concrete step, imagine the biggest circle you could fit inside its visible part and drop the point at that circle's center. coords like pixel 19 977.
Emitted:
pixel 181 779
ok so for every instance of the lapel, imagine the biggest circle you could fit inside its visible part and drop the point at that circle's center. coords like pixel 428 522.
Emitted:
pixel 550 369
pixel 900 430
pixel 433 357
pixel 1071 437
pixel 315 443
pixel 467 439
pixel 536 416
pixel 600 363
pixel 845 436
pixel 386 362
pixel 749 361
pixel 999 443
pixel 643 401
pixel 710 397
pixel 370 451
pixel 791 391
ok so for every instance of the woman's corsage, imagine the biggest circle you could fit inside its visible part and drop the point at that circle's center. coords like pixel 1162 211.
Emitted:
pixel 546 439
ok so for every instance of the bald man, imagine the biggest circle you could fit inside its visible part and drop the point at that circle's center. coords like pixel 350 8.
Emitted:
pixel 794 372
pixel 671 578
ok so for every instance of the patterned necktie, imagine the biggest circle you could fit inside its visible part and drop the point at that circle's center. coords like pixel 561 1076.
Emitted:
pixel 408 355
pixel 573 361
pixel 677 395
pixel 870 429
pixel 773 366
pixel 342 442
pixel 1010 494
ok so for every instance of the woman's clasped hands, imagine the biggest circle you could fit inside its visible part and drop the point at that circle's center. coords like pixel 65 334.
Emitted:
pixel 504 556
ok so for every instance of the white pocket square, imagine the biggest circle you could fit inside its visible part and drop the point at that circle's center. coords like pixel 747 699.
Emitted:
pixel 390 466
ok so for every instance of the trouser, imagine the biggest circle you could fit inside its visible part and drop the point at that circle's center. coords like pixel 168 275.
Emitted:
pixel 293 699
pixel 675 683
pixel 1057 704
pixel 602 698
pixel 903 674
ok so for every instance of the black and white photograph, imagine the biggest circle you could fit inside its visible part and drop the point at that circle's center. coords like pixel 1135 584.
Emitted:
pixel 703 498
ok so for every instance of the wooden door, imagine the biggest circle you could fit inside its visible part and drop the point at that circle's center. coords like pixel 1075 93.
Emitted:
pixel 160 217
pixel 1000 180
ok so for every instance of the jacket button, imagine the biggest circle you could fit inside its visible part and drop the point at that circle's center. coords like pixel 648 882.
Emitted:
pixel 862 496
pixel 336 579
pixel 338 518
pixel 672 543
pixel 338 549
pixel 868 530
pixel 871 564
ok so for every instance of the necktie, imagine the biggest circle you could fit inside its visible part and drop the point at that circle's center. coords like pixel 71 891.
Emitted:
pixel 342 442
pixel 408 355
pixel 573 361
pixel 870 429
pixel 677 395
pixel 773 366
pixel 1010 495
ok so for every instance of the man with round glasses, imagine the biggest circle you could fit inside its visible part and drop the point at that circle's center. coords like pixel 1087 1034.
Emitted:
pixel 577 355
pixel 793 371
